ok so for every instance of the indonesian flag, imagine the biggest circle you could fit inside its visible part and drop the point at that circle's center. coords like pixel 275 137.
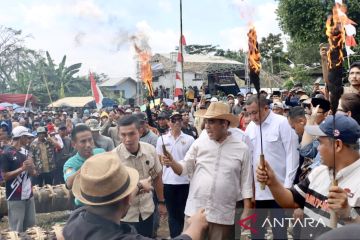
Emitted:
pixel 178 78
pixel 98 97
pixel 349 27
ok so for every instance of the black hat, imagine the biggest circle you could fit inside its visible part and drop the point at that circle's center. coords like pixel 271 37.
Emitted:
pixel 163 115
pixel 323 103
pixel 62 127
pixel 142 117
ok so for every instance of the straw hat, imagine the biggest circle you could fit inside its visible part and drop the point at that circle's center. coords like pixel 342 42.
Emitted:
pixel 220 110
pixel 103 180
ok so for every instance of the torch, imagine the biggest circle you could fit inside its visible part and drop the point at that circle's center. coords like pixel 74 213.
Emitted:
pixel 336 37
pixel 254 67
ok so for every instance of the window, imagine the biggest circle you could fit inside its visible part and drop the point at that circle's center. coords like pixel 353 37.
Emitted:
pixel 198 77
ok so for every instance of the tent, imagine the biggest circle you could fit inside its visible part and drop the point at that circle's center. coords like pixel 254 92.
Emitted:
pixel 17 98
pixel 79 102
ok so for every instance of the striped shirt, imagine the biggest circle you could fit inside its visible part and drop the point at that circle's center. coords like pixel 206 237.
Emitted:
pixel 311 194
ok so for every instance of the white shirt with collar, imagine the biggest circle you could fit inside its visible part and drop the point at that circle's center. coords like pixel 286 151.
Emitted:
pixel 220 175
pixel 280 147
pixel 177 148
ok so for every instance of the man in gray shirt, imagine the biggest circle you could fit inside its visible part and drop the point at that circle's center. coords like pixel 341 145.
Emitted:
pixel 146 135
pixel 100 141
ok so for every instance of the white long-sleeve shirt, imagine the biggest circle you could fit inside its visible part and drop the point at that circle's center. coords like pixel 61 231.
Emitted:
pixel 219 173
pixel 280 144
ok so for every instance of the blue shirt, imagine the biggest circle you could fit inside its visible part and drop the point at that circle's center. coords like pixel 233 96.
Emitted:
pixel 73 164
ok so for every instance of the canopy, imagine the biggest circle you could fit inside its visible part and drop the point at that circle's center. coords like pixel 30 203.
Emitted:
pixel 80 102
pixel 17 98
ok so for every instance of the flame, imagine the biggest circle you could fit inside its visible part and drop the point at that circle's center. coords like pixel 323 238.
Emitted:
pixel 253 54
pixel 145 68
pixel 335 32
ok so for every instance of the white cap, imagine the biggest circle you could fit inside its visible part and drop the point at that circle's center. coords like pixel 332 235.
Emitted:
pixel 214 99
pixel 128 110
pixel 277 105
pixel 95 114
pixel 20 131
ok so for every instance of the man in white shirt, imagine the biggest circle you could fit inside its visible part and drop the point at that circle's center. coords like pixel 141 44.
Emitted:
pixel 280 144
pixel 219 167
pixel 176 188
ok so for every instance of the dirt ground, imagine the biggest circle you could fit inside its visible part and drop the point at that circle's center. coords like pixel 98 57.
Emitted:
pixel 47 220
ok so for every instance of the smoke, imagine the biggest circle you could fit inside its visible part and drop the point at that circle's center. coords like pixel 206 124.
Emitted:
pixel 78 39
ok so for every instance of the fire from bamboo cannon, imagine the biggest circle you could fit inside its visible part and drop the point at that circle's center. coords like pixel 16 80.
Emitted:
pixel 254 69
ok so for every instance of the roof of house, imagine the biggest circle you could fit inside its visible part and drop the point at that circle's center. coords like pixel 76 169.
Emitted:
pixel 115 81
pixel 198 63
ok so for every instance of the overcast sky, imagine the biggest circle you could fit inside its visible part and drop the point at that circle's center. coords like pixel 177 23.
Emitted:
pixel 96 32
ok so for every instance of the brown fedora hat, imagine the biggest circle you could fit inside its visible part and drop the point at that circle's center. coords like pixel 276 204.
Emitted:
pixel 220 110
pixel 103 180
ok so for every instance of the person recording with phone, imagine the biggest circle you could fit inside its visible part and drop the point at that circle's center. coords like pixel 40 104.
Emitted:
pixel 43 149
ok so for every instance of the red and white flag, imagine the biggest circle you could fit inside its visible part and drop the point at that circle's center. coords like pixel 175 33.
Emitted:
pixel 178 79
pixel 98 97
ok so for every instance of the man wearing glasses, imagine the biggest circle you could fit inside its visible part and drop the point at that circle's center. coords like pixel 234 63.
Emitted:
pixel 176 188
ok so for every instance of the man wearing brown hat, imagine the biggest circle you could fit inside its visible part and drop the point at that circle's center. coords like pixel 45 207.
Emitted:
pixel 219 167
pixel 141 156
pixel 107 188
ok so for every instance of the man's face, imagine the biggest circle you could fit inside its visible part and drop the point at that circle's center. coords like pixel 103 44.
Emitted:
pixel 130 136
pixel 325 149
pixel 278 110
pixel 247 120
pixel 84 144
pixel 298 124
pixel 163 122
pixel 320 116
pixel 215 128
pixel 3 135
pixel 41 136
pixel 185 117
pixel 137 110
pixel 103 120
pixel 354 76
pixel 231 102
pixel 253 110
pixel 62 133
pixel 176 123
pixel 240 99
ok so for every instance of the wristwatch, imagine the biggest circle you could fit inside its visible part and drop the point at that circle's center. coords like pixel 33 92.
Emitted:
pixel 353 215
pixel 161 202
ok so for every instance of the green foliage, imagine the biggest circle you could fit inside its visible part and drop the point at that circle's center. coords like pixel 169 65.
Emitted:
pixel 305 20
pixel 272 53
pixel 233 55
pixel 199 49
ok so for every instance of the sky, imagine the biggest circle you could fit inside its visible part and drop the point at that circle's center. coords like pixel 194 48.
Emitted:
pixel 97 32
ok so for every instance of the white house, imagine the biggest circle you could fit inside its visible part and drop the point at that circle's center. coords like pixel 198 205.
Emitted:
pixel 124 87
pixel 214 72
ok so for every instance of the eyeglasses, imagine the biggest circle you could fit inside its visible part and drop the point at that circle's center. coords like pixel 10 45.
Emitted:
pixel 174 120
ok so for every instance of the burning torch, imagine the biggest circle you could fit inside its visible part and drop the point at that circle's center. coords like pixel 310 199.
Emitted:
pixel 254 67
pixel 335 32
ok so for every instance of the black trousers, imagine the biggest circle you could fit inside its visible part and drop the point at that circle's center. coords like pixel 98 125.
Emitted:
pixel 175 198
pixel 43 179
pixel 273 210
pixel 144 227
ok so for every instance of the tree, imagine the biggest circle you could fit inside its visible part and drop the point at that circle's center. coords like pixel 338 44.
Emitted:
pixel 61 78
pixel 233 55
pixel 199 49
pixel 14 57
pixel 272 54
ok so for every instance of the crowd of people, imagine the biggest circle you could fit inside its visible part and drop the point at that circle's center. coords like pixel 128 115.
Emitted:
pixel 195 161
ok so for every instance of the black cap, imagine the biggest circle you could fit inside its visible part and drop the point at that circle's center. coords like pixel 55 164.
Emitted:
pixel 62 127
pixel 324 104
pixel 142 117
pixel 163 115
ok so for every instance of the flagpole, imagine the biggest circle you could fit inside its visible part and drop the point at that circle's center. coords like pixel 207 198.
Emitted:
pixel 182 54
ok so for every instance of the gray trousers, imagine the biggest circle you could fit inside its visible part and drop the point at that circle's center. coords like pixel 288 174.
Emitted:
pixel 21 214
